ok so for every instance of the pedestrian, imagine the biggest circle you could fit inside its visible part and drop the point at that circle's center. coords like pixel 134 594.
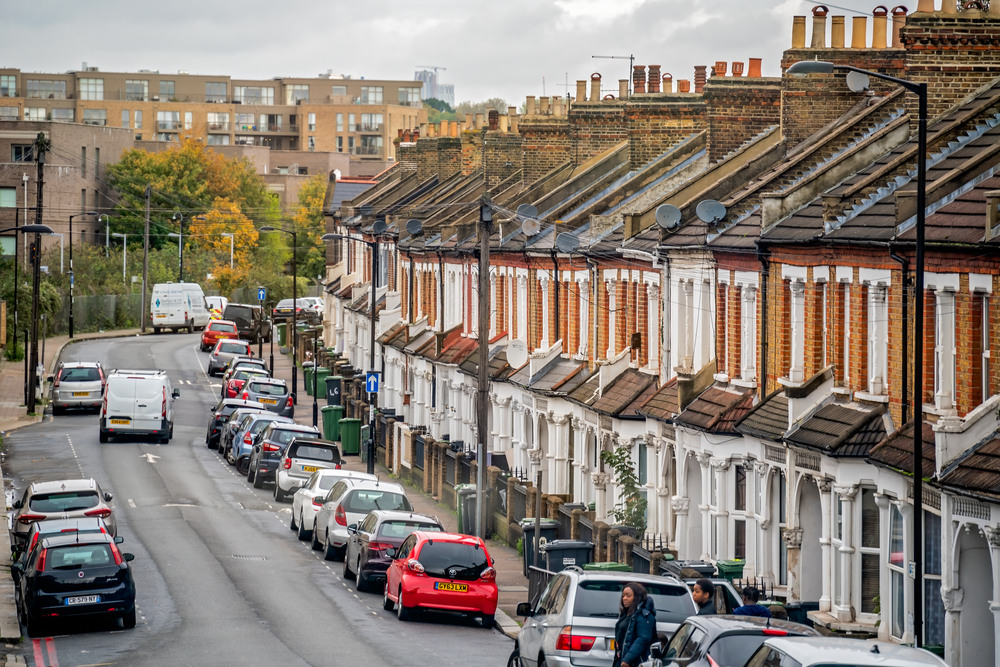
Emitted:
pixel 751 596
pixel 636 626
pixel 703 593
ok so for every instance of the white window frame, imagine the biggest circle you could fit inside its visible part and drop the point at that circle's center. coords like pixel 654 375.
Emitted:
pixel 944 349
pixel 91 89
pixel 878 339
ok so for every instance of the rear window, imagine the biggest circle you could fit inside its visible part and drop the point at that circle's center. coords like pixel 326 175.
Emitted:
pixel 285 437
pixel 735 649
pixel 245 373
pixel 67 501
pixel 223 328
pixel 453 560
pixel 284 303
pixel 80 375
pixel 327 481
pixel 259 426
pixel 598 598
pixel 78 556
pixel 234 348
pixel 314 452
pixel 363 501
pixel 239 313
pixel 400 530
pixel 268 389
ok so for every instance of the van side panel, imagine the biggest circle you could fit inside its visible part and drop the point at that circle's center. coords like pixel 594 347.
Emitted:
pixel 168 305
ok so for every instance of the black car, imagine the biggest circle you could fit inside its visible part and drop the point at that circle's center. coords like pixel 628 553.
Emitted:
pixel 74 575
pixel 365 557
pixel 251 323
pixel 221 413
pixel 725 641
pixel 303 313
pixel 269 446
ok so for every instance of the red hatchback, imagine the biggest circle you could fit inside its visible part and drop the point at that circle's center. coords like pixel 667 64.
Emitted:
pixel 217 330
pixel 444 572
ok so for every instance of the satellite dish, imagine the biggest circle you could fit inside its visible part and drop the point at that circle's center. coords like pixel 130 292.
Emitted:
pixel 380 227
pixel 517 353
pixel 567 243
pixel 668 216
pixel 527 211
pixel 414 227
pixel 710 211
pixel 857 82
pixel 530 227
pixel 366 209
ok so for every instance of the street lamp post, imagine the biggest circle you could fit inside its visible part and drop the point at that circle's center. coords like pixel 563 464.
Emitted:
pixel 230 247
pixel 295 308
pixel 180 244
pixel 316 379
pixel 373 246
pixel 920 90
pixel 124 238
pixel 107 233
pixel 72 275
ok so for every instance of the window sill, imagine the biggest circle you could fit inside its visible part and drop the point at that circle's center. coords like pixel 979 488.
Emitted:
pixel 842 391
pixel 746 384
pixel 930 409
pixel 785 382
pixel 871 398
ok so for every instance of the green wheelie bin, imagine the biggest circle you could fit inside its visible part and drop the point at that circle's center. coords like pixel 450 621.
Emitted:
pixel 350 436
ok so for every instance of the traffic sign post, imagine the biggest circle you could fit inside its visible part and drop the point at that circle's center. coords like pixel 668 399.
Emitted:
pixel 371 382
pixel 261 293
pixel 371 386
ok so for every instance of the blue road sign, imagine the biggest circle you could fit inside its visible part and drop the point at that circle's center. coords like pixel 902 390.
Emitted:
pixel 261 293
pixel 371 383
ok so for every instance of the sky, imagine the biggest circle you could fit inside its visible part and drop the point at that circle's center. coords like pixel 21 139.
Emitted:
pixel 489 49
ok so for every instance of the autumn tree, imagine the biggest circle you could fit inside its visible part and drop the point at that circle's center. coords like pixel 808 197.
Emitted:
pixel 208 232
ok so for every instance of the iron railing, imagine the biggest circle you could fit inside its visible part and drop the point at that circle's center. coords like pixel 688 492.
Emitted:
pixel 538 579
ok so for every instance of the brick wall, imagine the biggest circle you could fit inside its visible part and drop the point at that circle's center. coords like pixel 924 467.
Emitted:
pixel 657 122
pixel 449 157
pixel 546 143
pixel 502 156
pixel 859 335
pixel 738 109
pixel 427 157
pixel 969 349
pixel 406 154
pixel 596 127
pixel 472 151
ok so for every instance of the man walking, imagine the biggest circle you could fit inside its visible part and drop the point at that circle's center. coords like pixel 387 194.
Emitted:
pixel 704 596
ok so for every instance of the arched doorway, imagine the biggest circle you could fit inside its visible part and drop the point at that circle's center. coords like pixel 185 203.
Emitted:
pixel 810 555
pixel 692 475
pixel 975 572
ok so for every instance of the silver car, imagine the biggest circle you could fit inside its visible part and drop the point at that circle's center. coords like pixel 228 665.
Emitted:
pixel 226 350
pixel 833 651
pixel 272 393
pixel 350 501
pixel 303 457
pixel 77 384
pixel 64 499
pixel 589 602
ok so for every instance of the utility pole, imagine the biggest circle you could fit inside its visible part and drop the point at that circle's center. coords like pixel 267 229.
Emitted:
pixel 41 145
pixel 483 407
pixel 145 261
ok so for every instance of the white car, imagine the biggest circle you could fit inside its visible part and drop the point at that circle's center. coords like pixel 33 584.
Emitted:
pixel 138 403
pixel 309 498
pixel 834 651
pixel 348 502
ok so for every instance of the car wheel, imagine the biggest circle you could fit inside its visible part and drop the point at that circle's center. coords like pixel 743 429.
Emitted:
pixel 360 581
pixel 402 612
pixel 191 326
pixel 314 542
pixel 258 483
pixel 386 601
pixel 156 330
pixel 515 657
pixel 542 662
pixel 329 551
pixel 243 466
pixel 56 410
pixel 347 569
pixel 128 620
pixel 303 534
pixel 170 436
pixel 279 495
pixel 164 439
pixel 34 628
pixel 291 523
pixel 488 621
pixel 102 436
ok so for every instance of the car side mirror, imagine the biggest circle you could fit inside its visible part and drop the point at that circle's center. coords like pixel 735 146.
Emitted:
pixel 656 650
pixel 353 529
pixel 51 379
pixel 177 393
pixel 390 552
pixel 17 505
pixel 17 567
pixel 108 497
pixel 128 557
pixel 524 609
pixel 119 539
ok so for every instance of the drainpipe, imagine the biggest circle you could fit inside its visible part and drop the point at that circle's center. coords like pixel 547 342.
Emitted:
pixel 593 309
pixel 441 290
pixel 765 278
pixel 665 337
pixel 905 403
pixel 555 264
pixel 409 291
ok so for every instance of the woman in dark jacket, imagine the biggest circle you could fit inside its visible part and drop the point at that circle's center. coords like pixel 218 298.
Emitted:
pixel 636 626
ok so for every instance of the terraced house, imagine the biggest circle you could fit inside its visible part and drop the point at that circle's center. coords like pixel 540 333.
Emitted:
pixel 754 357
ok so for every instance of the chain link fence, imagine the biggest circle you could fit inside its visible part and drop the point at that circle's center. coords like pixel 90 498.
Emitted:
pixel 98 313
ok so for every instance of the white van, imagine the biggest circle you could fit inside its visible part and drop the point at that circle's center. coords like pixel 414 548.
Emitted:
pixel 138 403
pixel 178 306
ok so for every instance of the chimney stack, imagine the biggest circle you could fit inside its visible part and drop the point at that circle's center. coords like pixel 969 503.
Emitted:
pixel 494 120
pixel 668 83
pixel 638 79
pixel 837 32
pixel 653 85
pixel 859 32
pixel 512 119
pixel 798 32
pixel 879 24
pixel 819 27
pixel 699 78
pixel 926 6
pixel 595 87
pixel 622 89
pixel 898 21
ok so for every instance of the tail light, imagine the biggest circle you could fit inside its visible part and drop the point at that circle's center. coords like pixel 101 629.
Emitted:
pixel 289 403
pixel 102 512
pixel 489 574
pixel 774 632
pixel 185 315
pixel 34 539
pixel 336 467
pixel 379 546
pixel 318 501
pixel 163 407
pixel 245 396
pixel 247 440
pixel 415 566
pixel 41 560
pixel 711 662
pixel 30 518
pixel 104 406
pixel 117 554
pixel 287 465
pixel 268 447
pixel 216 351
pixel 567 641
pixel 55 384
pixel 340 516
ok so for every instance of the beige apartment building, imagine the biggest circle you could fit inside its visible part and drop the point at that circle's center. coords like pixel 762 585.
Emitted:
pixel 357 117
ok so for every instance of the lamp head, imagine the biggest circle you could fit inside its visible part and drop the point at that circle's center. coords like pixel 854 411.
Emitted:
pixel 804 67
pixel 35 229
pixel 266 228
pixel 331 237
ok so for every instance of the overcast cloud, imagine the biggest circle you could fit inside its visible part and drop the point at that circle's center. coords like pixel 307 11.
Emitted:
pixel 490 49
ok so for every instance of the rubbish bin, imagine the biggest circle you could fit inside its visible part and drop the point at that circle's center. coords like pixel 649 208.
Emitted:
pixel 549 529
pixel 608 567
pixel 350 436
pixel 731 569
pixel 701 568
pixel 331 421
pixel 334 386
pixel 282 334
pixel 560 554
pixel 307 376
pixel 466 508
pixel 322 372
pixel 799 612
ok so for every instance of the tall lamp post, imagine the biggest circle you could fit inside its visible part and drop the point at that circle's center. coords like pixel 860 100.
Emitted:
pixel 179 217
pixel 373 246
pixel 920 90
pixel 124 238
pixel 230 247
pixel 72 276
pixel 107 233
pixel 295 307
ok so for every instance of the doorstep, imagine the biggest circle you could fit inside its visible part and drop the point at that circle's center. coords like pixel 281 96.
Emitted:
pixel 827 620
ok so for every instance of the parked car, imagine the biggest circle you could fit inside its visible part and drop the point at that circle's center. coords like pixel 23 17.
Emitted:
pixel 220 413
pixel 75 575
pixel 302 458
pixel 234 385
pixel 366 560
pixel 229 427
pixel 242 441
pixel 224 351
pixel 237 363
pixel 727 598
pixel 217 330
pixel 834 651
pixel 250 321
pixel 40 529
pixel 303 313
pixel 138 403
pixel 444 572
pixel 272 393
pixel 587 603
pixel 308 498
pixel 725 641
pixel 62 499
pixel 316 304
pixel 268 448
pixel 77 384
pixel 177 306
pixel 350 501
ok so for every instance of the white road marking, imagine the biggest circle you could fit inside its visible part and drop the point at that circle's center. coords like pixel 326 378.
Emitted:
pixel 73 449
pixel 131 503
pixel 151 458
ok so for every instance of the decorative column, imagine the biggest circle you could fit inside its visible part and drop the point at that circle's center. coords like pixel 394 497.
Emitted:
pixel 944 393
pixel 876 339
pixel 612 287
pixel 748 334
pixel 993 538
pixel 721 468
pixel 496 314
pixel 679 505
pixel 884 583
pixel 600 481
pixel 522 309
pixel 845 611
pixel 906 510
pixel 652 339
pixel 825 543
pixel 505 418
pixel 579 463
pixel 583 290
pixel 793 544
pixel 535 464
pixel 706 496
pixel 559 428
pixel 796 372
pixel 543 279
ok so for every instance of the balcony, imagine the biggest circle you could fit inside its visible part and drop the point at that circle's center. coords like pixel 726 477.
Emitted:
pixel 373 128
pixel 100 122
pixel 168 125
pixel 367 151
pixel 277 128
pixel 218 127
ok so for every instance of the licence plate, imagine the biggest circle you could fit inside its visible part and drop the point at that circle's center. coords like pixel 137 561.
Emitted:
pixel 83 599
pixel 448 586
pixel 81 393
pixel 161 315
pixel 309 468
pixel 611 644
pixel 269 401
pixel 121 421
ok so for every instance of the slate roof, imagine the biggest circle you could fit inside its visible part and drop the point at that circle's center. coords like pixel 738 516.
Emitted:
pixel 456 352
pixel 419 341
pixel 716 410
pixel 586 393
pixel 977 471
pixel 662 404
pixel 347 189
pixel 768 420
pixel 620 393
pixel 896 451
pixel 631 411
pixel 553 379
pixel 498 369
pixel 840 430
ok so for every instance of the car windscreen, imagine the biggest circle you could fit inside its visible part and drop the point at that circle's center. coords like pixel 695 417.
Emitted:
pixel 67 501
pixel 363 501
pixel 268 389
pixel 284 303
pixel 314 452
pixel 234 348
pixel 285 437
pixel 453 560
pixel 80 375
pixel 222 327
pixel 77 556
pixel 599 598
pixel 259 425
pixel 401 529
pixel 735 649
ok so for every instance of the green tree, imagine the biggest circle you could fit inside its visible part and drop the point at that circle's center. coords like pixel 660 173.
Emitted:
pixel 631 508
pixel 307 217
pixel 480 107
pixel 439 105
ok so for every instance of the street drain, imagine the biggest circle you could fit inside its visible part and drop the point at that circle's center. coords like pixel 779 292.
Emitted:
pixel 248 557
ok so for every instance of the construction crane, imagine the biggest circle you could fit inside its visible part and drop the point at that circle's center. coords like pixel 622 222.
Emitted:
pixel 433 67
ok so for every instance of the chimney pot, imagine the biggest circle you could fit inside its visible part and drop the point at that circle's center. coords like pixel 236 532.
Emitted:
pixel 683 86
pixel 754 70
pixel 406 136
pixel 668 83
pixel 879 25
pixel 581 90
pixel 638 79
pixel 494 120
pixel 720 68
pixel 737 69
pixel 557 106
pixel 653 81
pixel 415 135
pixel 994 9
pixel 503 123
pixel 699 78
pixel 529 105
pixel 819 27
pixel 951 8
pixel 898 21
pixel 926 6
pixel 399 134
pixel 595 87
pixel 469 122
pixel 837 32
pixel 480 121
pixel 622 89
pixel 798 32
pixel 859 32
pixel 543 108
